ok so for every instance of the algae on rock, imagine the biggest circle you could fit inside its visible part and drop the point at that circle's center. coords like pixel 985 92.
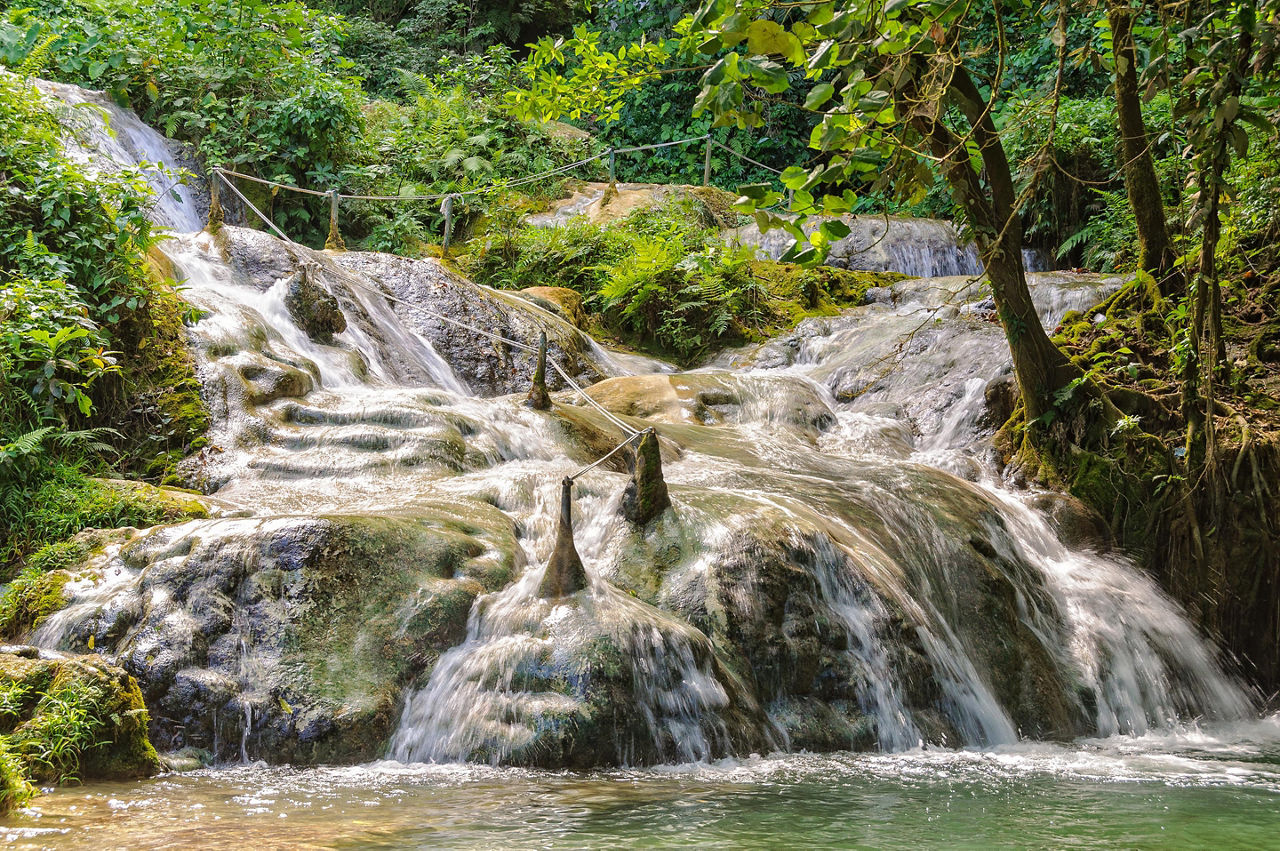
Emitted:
pixel 74 717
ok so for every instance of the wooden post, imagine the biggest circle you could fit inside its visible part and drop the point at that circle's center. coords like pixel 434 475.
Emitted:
pixel 447 209
pixel 216 214
pixel 613 167
pixel 334 241
pixel 706 164
pixel 539 399
pixel 565 574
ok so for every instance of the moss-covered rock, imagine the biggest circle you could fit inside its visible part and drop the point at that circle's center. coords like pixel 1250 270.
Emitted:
pixel 562 301
pixel 74 717
pixel 30 598
pixel 312 307
pixel 15 785
pixel 290 637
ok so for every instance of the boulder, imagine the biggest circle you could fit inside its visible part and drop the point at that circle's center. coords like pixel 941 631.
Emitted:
pixel 314 310
pixel 286 639
pixel 48 690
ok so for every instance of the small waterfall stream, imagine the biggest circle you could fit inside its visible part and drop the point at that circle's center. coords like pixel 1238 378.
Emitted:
pixel 841 567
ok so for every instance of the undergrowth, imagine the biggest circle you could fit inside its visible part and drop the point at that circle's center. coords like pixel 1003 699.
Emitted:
pixel 664 279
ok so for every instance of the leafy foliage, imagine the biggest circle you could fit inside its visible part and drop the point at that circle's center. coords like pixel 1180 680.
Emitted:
pixel 256 85
pixel 662 279
pixel 75 293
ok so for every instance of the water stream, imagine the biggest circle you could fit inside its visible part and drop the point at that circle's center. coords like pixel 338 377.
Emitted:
pixel 843 570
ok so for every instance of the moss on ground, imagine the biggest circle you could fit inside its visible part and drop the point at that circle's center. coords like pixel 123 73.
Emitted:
pixel 68 502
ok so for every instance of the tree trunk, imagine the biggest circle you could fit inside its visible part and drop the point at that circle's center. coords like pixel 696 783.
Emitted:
pixel 1140 181
pixel 1039 366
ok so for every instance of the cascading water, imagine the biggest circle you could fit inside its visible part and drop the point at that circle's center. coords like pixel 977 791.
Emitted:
pixel 927 248
pixel 840 569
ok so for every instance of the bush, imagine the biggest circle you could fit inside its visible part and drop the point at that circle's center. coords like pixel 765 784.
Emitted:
pixel 255 85
pixel 451 135
pixel 663 279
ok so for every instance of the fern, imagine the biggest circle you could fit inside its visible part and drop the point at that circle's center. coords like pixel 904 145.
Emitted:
pixel 37 59
pixel 28 444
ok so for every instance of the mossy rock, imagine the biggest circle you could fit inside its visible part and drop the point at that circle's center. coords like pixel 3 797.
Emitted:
pixel 335 614
pixel 30 598
pixel 75 717
pixel 562 301
pixel 315 310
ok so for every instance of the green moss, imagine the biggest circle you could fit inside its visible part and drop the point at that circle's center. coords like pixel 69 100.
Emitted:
pixel 29 599
pixel 79 718
pixel 15 787
pixel 68 501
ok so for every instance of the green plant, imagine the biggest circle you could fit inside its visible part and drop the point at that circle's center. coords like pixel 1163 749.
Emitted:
pixel 64 728
pixel 13 698
pixel 15 788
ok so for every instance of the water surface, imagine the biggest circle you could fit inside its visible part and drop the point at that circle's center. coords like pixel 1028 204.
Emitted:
pixel 1186 790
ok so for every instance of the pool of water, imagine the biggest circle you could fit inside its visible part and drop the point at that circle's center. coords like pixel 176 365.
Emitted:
pixel 1218 789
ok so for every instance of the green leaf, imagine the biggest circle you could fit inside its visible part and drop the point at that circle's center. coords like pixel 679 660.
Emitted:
pixel 819 95
pixel 768 38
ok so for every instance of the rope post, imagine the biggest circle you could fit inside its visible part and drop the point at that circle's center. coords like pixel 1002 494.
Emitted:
pixel 706 164
pixel 646 495
pixel 539 399
pixel 217 215
pixel 565 574
pixel 447 209
pixel 334 241
pixel 613 167
pixel 791 199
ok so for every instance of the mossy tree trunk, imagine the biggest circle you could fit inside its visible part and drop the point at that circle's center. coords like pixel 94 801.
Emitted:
pixel 1040 367
pixel 1140 180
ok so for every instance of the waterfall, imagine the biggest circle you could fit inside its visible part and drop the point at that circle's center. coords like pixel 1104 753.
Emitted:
pixel 841 567
pixel 112 138
pixel 926 248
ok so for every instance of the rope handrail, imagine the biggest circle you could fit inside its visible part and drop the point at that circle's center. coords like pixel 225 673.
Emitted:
pixel 479 190
pixel 615 450
pixel 740 156
pixel 655 147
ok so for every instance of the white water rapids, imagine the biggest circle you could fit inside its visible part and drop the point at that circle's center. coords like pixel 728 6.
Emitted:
pixel 854 447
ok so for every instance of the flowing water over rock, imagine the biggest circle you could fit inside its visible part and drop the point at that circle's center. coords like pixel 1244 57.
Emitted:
pixel 928 248
pixel 840 569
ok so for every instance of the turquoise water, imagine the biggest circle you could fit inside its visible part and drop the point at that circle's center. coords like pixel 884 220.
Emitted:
pixel 1190 790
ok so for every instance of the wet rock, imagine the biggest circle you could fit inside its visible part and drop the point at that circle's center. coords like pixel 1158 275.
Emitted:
pixel 266 380
pixel 487 366
pixel 1077 525
pixel 47 686
pixel 711 398
pixel 288 638
pixel 1000 397
pixel 314 310
pixel 596 679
